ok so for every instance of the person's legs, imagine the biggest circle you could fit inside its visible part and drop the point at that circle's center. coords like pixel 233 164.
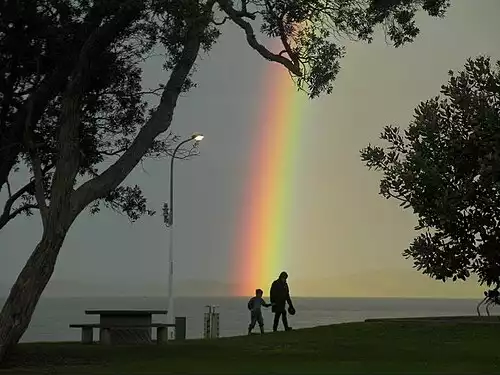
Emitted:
pixel 253 320
pixel 260 320
pixel 276 320
pixel 284 318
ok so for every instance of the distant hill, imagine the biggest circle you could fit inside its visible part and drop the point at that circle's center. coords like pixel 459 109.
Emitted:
pixel 386 283
pixel 374 283
pixel 71 288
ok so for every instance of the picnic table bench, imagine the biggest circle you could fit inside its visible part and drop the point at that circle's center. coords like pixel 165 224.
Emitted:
pixel 129 327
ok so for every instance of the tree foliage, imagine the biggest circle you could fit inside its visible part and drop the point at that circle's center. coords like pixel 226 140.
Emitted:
pixel 113 108
pixel 41 40
pixel 446 167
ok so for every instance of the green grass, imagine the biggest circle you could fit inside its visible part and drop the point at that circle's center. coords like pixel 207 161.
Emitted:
pixel 356 348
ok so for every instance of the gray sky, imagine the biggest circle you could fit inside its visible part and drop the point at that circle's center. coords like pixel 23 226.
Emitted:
pixel 346 227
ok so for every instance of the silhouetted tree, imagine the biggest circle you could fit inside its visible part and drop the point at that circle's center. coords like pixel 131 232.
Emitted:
pixel 113 108
pixel 446 167
pixel 92 32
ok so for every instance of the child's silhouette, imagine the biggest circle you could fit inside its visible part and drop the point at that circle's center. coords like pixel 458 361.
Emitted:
pixel 255 306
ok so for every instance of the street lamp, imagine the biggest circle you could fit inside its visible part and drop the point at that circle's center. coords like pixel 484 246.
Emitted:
pixel 168 217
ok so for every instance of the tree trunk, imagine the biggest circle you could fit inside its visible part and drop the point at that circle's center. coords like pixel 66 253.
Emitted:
pixel 26 291
pixel 65 203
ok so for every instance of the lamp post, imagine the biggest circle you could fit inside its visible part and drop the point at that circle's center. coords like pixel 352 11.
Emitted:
pixel 168 217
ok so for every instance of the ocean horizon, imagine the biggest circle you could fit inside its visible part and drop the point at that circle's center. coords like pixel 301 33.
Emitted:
pixel 53 315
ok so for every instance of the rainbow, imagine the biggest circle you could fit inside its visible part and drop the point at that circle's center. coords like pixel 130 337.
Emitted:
pixel 265 225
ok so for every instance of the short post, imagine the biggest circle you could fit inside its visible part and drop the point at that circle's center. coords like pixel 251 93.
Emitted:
pixel 105 336
pixel 161 335
pixel 211 323
pixel 87 335
pixel 214 323
pixel 180 327
pixel 207 323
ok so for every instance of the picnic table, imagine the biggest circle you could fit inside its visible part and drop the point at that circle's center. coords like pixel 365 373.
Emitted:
pixel 129 326
pixel 131 320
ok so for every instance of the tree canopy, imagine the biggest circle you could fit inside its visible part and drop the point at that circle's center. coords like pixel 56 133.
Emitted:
pixel 113 107
pixel 446 167
pixel 41 41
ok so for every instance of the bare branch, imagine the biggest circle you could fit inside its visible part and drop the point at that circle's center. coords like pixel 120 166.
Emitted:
pixel 237 18
pixel 185 153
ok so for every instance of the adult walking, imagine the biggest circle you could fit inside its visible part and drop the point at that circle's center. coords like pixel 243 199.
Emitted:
pixel 280 296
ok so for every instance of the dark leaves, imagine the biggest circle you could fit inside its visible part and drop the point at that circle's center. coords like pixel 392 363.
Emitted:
pixel 310 28
pixel 446 168
pixel 125 199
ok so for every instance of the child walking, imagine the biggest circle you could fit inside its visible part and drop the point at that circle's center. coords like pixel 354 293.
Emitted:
pixel 255 306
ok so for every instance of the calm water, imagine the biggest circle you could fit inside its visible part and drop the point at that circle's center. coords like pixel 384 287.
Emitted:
pixel 53 315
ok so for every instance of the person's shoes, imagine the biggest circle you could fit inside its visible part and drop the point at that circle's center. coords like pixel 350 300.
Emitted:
pixel 288 328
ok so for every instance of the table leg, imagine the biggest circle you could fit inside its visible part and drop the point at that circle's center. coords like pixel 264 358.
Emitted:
pixel 87 335
pixel 161 335
pixel 128 335
pixel 105 336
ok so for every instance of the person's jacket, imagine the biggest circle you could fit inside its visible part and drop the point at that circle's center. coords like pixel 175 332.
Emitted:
pixel 280 295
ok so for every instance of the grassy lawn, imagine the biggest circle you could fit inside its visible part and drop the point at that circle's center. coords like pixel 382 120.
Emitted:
pixel 355 348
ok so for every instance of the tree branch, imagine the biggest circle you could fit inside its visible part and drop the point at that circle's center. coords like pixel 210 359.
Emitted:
pixel 158 123
pixel 34 106
pixel 69 152
pixel 39 188
pixel 6 214
pixel 23 190
pixel 21 209
pixel 283 38
pixel 20 192
pixel 398 197
pixel 236 17
pixel 156 92
pixel 221 22
pixel 9 190
pixel 36 166
pixel 114 153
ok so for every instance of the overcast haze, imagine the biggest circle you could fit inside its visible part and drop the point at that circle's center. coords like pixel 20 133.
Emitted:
pixel 354 237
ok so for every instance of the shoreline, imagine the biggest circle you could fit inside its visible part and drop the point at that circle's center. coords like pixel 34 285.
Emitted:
pixel 451 319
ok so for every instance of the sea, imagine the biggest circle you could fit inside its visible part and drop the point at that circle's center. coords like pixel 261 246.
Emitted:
pixel 53 316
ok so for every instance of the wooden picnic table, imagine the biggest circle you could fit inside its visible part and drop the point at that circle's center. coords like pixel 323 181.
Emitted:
pixel 129 326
